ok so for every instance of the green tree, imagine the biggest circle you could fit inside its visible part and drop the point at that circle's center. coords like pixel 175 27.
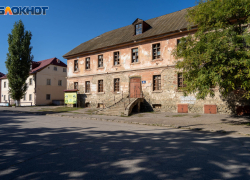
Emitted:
pixel 18 61
pixel 218 53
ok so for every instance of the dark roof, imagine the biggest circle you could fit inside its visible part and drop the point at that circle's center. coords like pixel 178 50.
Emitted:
pixel 1 74
pixel 42 64
pixel 160 25
pixel 46 62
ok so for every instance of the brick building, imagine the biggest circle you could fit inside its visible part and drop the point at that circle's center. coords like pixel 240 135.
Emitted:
pixel 136 61
pixel 46 82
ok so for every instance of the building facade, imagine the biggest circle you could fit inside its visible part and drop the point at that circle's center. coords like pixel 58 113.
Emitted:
pixel 1 75
pixel 136 61
pixel 46 82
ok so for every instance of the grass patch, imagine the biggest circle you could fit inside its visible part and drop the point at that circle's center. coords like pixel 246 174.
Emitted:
pixel 90 111
pixel 179 115
pixel 197 115
pixel 166 116
pixel 59 109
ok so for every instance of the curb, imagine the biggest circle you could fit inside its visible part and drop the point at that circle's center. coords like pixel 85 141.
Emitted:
pixel 149 124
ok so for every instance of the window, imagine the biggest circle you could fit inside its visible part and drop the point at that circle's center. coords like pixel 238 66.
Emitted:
pixel 138 29
pixel 181 81
pixel 24 97
pixel 156 51
pixel 116 85
pixel 156 82
pixel 87 64
pixel 75 85
pixel 30 97
pixel 4 97
pixel 4 84
pixel 100 61
pixel 100 85
pixel 116 58
pixel 55 68
pixel 64 69
pixel 8 97
pixel 59 82
pixel 75 65
pixel 135 55
pixel 47 96
pixel 87 87
pixel 30 81
pixel 48 81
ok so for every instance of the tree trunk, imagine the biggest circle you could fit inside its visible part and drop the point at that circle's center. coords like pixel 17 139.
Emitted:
pixel 18 103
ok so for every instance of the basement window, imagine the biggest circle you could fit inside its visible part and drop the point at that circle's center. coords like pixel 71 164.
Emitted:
pixel 181 81
pixel 47 96
pixel 100 105
pixel 87 104
pixel 157 106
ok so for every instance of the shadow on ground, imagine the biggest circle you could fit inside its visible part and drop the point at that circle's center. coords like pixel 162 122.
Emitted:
pixel 28 152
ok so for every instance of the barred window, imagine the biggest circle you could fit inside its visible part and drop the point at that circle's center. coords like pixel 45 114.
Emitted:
pixel 135 57
pixel 116 58
pixel 156 51
pixel 75 65
pixel 75 85
pixel 181 81
pixel 87 63
pixel 156 82
pixel 4 84
pixel 87 87
pixel 100 61
pixel 116 85
pixel 64 69
pixel 55 68
pixel 24 97
pixel 100 85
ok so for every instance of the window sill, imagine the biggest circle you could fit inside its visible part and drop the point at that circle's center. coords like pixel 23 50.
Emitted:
pixel 76 71
pixel 87 69
pixel 116 65
pixel 88 93
pixel 159 59
pixel 117 92
pixel 100 92
pixel 134 63
pixel 157 91
pixel 100 68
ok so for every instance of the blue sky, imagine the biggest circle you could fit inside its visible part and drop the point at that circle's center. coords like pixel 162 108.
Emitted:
pixel 69 23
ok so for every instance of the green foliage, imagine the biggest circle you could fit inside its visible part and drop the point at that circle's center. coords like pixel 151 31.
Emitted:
pixel 18 60
pixel 218 53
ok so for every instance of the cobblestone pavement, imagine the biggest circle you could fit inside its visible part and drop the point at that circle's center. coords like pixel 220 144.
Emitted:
pixel 219 123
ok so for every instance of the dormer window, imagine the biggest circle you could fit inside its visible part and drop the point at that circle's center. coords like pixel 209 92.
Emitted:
pixel 138 29
pixel 140 26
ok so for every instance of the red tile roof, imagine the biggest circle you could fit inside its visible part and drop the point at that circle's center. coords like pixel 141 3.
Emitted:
pixel 42 64
pixel 1 74
pixel 46 62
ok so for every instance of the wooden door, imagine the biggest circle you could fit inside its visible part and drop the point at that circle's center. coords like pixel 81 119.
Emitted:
pixel 210 109
pixel 182 108
pixel 135 87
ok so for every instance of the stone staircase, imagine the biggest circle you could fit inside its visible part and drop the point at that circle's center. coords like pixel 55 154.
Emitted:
pixel 120 108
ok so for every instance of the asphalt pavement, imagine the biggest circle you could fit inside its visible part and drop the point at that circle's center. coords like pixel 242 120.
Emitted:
pixel 52 147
